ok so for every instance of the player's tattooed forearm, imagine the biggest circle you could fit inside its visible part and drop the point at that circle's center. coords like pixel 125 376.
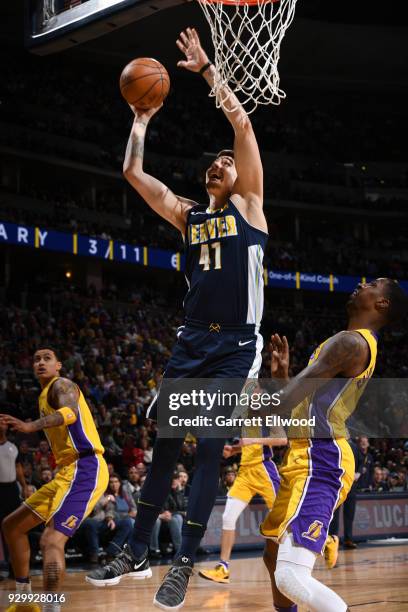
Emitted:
pixel 51 420
pixel 136 146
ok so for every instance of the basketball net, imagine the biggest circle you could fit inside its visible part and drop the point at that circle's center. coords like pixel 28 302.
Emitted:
pixel 247 36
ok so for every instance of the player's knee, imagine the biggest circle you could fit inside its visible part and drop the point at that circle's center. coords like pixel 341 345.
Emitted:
pixel 8 525
pixel 290 584
pixel 51 539
pixel 229 521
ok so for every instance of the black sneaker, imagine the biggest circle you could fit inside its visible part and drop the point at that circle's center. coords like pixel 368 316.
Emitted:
pixel 124 564
pixel 172 592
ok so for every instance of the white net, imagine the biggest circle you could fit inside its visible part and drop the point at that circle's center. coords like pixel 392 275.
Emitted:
pixel 247 37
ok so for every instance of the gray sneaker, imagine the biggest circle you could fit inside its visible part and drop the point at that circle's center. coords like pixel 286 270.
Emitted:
pixel 124 564
pixel 172 592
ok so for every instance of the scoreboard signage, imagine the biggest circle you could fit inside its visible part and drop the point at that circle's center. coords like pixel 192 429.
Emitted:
pixel 115 250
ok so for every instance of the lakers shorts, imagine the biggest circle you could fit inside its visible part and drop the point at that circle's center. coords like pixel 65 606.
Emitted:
pixel 316 476
pixel 262 479
pixel 71 496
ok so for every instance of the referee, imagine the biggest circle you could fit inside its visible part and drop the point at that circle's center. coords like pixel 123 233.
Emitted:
pixel 11 470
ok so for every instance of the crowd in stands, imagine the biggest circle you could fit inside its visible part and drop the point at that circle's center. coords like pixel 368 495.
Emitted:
pixel 117 358
pixel 329 130
pixel 318 248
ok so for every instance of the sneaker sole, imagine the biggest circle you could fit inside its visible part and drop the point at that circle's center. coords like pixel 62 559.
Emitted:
pixel 164 607
pixel 217 580
pixel 113 581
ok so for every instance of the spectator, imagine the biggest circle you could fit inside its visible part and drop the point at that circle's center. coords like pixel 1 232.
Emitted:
pixel 123 504
pixel 366 465
pixel 103 528
pixel 184 484
pixel 130 454
pixel 132 484
pixel 45 476
pixel 227 481
pixel 24 453
pixel 396 481
pixel 379 484
pixel 43 453
pixel 171 516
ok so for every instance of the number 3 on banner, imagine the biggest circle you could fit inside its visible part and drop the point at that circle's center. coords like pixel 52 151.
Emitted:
pixel 205 259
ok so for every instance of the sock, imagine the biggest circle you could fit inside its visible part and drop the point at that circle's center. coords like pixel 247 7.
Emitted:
pixel 224 563
pixel 23 585
pixel 51 607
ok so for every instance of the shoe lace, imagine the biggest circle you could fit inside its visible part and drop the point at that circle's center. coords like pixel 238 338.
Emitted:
pixel 176 580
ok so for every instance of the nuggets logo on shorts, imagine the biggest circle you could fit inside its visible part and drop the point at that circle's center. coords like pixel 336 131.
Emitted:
pixel 71 522
pixel 314 531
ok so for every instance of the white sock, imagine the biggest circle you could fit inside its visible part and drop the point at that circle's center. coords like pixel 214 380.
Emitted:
pixel 23 587
pixel 51 607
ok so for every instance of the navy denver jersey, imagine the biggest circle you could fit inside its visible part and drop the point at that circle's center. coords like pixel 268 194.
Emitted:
pixel 224 267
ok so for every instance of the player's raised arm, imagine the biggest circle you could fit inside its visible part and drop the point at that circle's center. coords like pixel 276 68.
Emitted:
pixel 249 184
pixel 160 198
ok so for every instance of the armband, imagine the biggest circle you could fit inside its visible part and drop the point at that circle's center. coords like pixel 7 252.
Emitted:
pixel 68 415
pixel 205 67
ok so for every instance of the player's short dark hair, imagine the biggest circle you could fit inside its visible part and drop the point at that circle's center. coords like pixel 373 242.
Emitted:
pixel 225 153
pixel 48 347
pixel 398 298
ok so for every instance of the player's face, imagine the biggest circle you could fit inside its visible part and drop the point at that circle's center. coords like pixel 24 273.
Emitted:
pixel 221 176
pixel 45 364
pixel 365 295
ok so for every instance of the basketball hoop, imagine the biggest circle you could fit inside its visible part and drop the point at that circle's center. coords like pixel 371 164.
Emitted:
pixel 247 35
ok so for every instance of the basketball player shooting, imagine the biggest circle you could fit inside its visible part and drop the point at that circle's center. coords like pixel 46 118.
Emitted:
pixel 317 472
pixel 225 241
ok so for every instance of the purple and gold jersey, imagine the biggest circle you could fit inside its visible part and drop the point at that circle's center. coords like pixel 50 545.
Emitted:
pixel 336 401
pixel 82 475
pixel 69 441
pixel 318 469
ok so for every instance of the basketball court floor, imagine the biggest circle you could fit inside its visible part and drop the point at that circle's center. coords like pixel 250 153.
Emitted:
pixel 373 577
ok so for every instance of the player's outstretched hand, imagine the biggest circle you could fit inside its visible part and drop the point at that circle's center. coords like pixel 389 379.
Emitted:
pixel 279 349
pixel 15 424
pixel 189 44
pixel 143 115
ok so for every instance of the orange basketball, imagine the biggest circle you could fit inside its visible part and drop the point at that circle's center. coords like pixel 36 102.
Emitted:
pixel 144 83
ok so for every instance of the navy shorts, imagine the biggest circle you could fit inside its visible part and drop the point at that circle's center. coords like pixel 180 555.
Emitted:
pixel 213 351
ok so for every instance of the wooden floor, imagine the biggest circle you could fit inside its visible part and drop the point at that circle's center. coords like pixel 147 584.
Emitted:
pixel 369 578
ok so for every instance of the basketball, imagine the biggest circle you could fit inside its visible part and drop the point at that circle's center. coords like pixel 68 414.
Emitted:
pixel 144 83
